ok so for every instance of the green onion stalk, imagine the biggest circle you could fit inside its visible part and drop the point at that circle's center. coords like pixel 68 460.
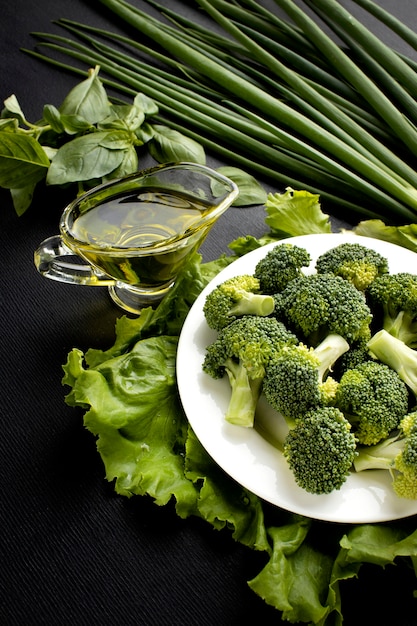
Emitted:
pixel 276 96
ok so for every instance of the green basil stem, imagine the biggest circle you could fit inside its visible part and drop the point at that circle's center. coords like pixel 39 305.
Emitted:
pixel 370 91
pixel 264 102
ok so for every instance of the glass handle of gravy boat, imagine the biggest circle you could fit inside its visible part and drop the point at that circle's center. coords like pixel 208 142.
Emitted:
pixel 55 260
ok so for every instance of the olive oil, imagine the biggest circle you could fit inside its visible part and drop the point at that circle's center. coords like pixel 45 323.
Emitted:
pixel 141 238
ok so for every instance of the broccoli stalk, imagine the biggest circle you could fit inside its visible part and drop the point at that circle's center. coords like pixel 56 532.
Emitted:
pixel 245 394
pixel 234 298
pixel 242 350
pixel 328 352
pixel 397 355
pixel 396 454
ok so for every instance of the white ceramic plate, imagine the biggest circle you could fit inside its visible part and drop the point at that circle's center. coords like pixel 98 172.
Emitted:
pixel 245 454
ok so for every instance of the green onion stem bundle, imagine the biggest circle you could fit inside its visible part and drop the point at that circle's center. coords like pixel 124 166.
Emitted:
pixel 276 96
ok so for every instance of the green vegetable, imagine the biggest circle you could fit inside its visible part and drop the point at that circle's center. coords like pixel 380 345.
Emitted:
pixel 397 454
pixel 405 236
pixel 275 95
pixel 374 399
pixel 318 304
pixel 22 160
pixel 282 264
pixel 320 450
pixel 303 579
pixel 298 378
pixel 394 300
pixel 354 262
pixel 243 350
pixel 357 354
pixel 237 296
pixel 395 353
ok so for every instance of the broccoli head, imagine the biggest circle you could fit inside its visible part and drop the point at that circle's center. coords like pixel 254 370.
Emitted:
pixel 393 298
pixel 374 399
pixel 398 355
pixel 280 265
pixel 320 450
pixel 358 353
pixel 242 350
pixel 319 304
pixel 353 262
pixel 297 377
pixel 397 454
pixel 235 297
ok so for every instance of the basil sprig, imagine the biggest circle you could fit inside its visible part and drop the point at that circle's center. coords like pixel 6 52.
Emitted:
pixel 87 140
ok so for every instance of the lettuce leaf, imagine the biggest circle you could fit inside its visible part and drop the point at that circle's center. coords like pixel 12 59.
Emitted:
pixel 405 235
pixel 296 213
pixel 297 576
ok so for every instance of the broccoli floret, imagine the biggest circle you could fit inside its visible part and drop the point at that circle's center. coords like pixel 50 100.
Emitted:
pixel 397 454
pixel 354 262
pixel 297 377
pixel 280 265
pixel 234 298
pixel 395 353
pixel 242 350
pixel 358 353
pixel 374 399
pixel 320 450
pixel 319 304
pixel 393 299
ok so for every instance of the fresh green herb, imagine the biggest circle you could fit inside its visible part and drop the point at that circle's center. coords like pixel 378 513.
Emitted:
pixel 276 95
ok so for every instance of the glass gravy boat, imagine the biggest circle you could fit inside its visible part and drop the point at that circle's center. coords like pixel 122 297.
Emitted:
pixel 136 233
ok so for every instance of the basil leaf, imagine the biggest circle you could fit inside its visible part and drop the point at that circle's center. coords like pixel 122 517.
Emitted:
pixel 23 161
pixel 145 133
pixel 170 145
pixel 52 116
pixel 62 123
pixel 87 99
pixel 87 157
pixel 145 104
pixel 74 124
pixel 22 198
pixel 129 164
pixel 12 108
pixel 9 124
pixel 250 191
pixel 123 117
